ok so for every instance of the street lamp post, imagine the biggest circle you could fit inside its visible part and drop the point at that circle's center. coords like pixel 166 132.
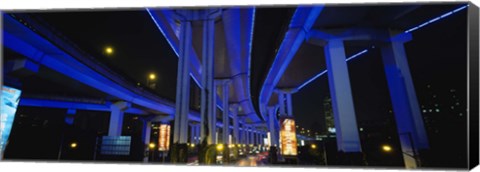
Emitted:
pixel 151 80
pixel 151 150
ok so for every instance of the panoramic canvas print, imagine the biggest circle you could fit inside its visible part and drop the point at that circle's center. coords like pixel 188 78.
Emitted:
pixel 352 85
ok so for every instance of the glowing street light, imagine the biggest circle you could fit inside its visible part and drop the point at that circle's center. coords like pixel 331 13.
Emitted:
pixel 151 145
pixel 152 76
pixel 151 80
pixel 108 50
pixel 386 148
pixel 313 146
pixel 73 145
pixel 220 147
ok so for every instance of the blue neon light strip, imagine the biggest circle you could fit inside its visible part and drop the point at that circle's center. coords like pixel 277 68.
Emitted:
pixel 174 46
pixel 302 19
pixel 357 55
pixel 407 31
pixel 436 19
pixel 250 45
pixel 325 71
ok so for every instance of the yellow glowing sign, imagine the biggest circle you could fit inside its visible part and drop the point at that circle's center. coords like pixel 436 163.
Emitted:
pixel 164 137
pixel 288 137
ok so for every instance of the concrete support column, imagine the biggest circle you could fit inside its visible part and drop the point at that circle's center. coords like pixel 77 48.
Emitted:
pixel 247 134
pixel 146 132
pixel 197 133
pixel 216 136
pixel 70 117
pixel 226 111
pixel 192 133
pixel 244 134
pixel 208 90
pixel 285 101
pixel 235 135
pixel 341 93
pixel 271 126
pixel 240 134
pixel 259 138
pixel 411 129
pixel 116 118
pixel 147 129
pixel 281 102
pixel 264 136
pixel 289 105
pixel 252 136
pixel 180 130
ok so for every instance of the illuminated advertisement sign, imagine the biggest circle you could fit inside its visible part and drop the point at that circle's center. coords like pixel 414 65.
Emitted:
pixel 164 137
pixel 8 106
pixel 288 138
pixel 116 145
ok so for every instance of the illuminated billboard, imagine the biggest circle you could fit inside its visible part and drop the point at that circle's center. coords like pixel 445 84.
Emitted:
pixel 116 145
pixel 288 137
pixel 8 106
pixel 164 137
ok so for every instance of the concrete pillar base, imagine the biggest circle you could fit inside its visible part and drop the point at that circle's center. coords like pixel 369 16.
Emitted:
pixel 179 153
pixel 207 154
pixel 235 150
pixel 226 154
pixel 272 155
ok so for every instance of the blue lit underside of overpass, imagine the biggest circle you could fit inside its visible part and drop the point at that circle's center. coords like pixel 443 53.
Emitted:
pixel 163 19
pixel 284 55
pixel 41 51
